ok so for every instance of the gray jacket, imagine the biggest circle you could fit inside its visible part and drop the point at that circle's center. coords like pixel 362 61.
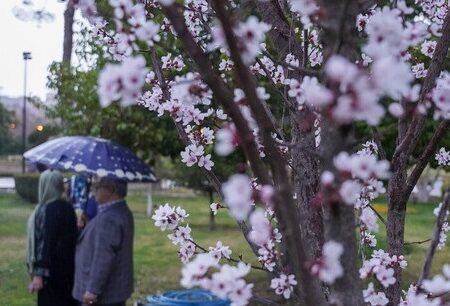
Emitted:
pixel 104 256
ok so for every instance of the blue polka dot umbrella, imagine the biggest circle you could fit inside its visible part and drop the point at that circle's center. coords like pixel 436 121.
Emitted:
pixel 91 155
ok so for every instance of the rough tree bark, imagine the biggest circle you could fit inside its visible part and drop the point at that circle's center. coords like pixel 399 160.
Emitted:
pixel 400 186
pixel 283 203
pixel 339 223
pixel 305 165
pixel 338 22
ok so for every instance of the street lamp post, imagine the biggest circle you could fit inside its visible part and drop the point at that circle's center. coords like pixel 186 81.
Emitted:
pixel 26 57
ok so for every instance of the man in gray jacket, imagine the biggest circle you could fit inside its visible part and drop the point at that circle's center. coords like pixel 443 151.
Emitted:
pixel 104 254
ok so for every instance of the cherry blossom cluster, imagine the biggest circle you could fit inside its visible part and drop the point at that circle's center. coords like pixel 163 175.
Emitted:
pixel 238 195
pixel 434 289
pixel 435 12
pixel 168 218
pixel 370 190
pixel 122 81
pixel 227 282
pixel 228 138
pixel 414 298
pixel 441 96
pixel 196 155
pixel 381 265
pixel 283 285
pixel 250 35
pixel 315 55
pixel 374 298
pixel 439 284
pixel 362 169
pixel 88 10
pixel 189 104
pixel 305 9
pixel 264 236
pixel 445 227
pixel 443 157
pixel 328 267
pixel 267 68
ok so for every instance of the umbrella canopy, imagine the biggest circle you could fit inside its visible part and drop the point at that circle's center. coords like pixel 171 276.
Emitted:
pixel 91 155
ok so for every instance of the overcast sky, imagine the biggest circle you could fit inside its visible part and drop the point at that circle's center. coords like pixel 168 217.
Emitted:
pixel 43 41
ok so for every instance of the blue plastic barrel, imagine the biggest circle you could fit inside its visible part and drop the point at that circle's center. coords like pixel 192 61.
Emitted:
pixel 186 298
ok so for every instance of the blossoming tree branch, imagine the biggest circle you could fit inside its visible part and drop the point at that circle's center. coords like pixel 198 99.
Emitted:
pixel 289 84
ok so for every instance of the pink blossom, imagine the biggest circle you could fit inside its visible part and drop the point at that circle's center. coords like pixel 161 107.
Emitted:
pixel 122 81
pixel 238 195
pixel 396 110
pixel 327 178
pixel 261 229
pixel 441 95
pixel 374 298
pixel 214 207
pixel 369 219
pixel 226 140
pixel 180 235
pixel 193 272
pixel 350 191
pixel 167 217
pixel 443 157
pixel 328 268
pixel 219 251
pixel 283 285
pixel 428 48
pixel 437 285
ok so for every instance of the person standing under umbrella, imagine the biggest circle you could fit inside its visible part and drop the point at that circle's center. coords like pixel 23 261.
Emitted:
pixel 104 253
pixel 52 234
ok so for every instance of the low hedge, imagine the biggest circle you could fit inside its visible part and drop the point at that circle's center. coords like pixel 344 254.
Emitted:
pixel 27 186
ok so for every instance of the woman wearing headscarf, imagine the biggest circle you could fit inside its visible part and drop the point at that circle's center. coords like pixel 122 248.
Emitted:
pixel 52 234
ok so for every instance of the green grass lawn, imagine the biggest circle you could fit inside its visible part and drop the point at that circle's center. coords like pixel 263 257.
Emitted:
pixel 157 267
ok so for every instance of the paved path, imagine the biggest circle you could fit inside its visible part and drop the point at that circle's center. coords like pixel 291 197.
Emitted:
pixel 7 183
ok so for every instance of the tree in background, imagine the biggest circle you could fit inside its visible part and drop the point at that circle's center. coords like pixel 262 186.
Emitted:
pixel 77 105
pixel 8 144
pixel 220 69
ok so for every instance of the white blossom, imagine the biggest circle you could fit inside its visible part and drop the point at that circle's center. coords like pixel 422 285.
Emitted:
pixel 283 285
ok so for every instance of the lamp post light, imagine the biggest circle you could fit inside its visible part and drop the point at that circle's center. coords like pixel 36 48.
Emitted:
pixel 26 57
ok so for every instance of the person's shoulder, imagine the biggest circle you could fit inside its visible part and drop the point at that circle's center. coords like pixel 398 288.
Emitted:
pixel 59 203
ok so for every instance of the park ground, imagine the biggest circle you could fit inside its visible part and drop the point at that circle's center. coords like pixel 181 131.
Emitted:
pixel 157 267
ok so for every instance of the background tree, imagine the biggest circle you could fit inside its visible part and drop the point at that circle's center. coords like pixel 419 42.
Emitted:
pixel 77 105
pixel 8 144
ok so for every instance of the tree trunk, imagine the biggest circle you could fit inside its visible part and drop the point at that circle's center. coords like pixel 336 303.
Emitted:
pixel 339 223
pixel 306 180
pixel 395 228
pixel 68 32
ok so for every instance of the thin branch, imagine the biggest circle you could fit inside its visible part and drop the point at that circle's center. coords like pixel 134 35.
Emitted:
pixel 220 90
pixel 212 177
pixel 378 214
pixel 409 142
pixel 229 259
pixel 436 237
pixel 418 242
pixel 303 70
pixel 426 156
pixel 377 139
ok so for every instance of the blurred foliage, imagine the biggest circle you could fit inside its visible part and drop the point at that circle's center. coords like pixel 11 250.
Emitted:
pixel 37 137
pixel 8 144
